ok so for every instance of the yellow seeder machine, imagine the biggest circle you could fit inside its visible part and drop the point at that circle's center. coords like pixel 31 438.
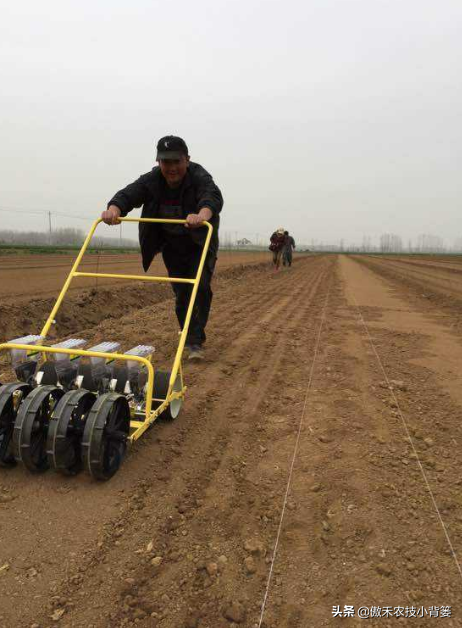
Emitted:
pixel 74 408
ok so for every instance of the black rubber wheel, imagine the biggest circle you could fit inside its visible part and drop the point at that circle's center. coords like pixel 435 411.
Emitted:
pixel 65 431
pixel 104 440
pixel 31 426
pixel 161 381
pixel 11 397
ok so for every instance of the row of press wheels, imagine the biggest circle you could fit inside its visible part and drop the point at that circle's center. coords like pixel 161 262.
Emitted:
pixel 45 427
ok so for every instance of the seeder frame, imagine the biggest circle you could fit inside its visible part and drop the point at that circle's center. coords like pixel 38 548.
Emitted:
pixel 137 427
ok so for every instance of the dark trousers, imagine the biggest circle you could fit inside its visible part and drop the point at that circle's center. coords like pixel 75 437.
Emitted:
pixel 287 257
pixel 184 263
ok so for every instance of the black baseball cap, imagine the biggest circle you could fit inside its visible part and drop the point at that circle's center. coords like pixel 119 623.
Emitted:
pixel 171 147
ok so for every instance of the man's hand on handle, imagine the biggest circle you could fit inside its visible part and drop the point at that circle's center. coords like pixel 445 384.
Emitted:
pixel 111 215
pixel 193 221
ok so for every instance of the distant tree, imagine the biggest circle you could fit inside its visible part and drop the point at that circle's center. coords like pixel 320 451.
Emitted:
pixel 390 243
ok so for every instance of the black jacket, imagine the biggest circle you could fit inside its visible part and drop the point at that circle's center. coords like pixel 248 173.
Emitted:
pixel 198 190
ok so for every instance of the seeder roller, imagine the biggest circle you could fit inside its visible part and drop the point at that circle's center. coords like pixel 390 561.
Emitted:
pixel 74 408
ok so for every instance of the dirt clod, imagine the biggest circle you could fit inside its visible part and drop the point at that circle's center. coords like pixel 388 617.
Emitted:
pixel 254 546
pixel 249 565
pixel 235 612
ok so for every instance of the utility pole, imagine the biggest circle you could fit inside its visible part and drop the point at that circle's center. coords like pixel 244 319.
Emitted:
pixel 49 225
pixel 120 236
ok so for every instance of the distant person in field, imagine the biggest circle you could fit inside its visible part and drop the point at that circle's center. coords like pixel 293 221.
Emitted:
pixel 289 246
pixel 277 242
pixel 177 189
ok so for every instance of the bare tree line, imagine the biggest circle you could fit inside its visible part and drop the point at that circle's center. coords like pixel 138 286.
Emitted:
pixel 425 243
pixel 387 243
pixel 59 237
pixel 392 243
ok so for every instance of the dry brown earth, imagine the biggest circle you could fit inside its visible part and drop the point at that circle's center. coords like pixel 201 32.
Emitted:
pixel 342 375
pixel 26 276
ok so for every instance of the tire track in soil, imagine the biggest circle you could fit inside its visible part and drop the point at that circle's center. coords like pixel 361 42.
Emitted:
pixel 131 499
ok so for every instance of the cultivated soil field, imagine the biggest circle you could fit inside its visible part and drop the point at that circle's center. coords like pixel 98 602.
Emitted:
pixel 22 276
pixel 316 462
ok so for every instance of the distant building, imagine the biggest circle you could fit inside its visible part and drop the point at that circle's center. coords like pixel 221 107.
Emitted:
pixel 243 242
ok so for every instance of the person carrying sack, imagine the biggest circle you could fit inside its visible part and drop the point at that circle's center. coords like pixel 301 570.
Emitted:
pixel 277 242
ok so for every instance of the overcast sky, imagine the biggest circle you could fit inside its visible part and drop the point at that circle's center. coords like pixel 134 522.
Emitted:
pixel 333 118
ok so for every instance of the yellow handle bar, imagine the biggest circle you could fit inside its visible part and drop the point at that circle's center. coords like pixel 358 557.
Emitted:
pixel 74 272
